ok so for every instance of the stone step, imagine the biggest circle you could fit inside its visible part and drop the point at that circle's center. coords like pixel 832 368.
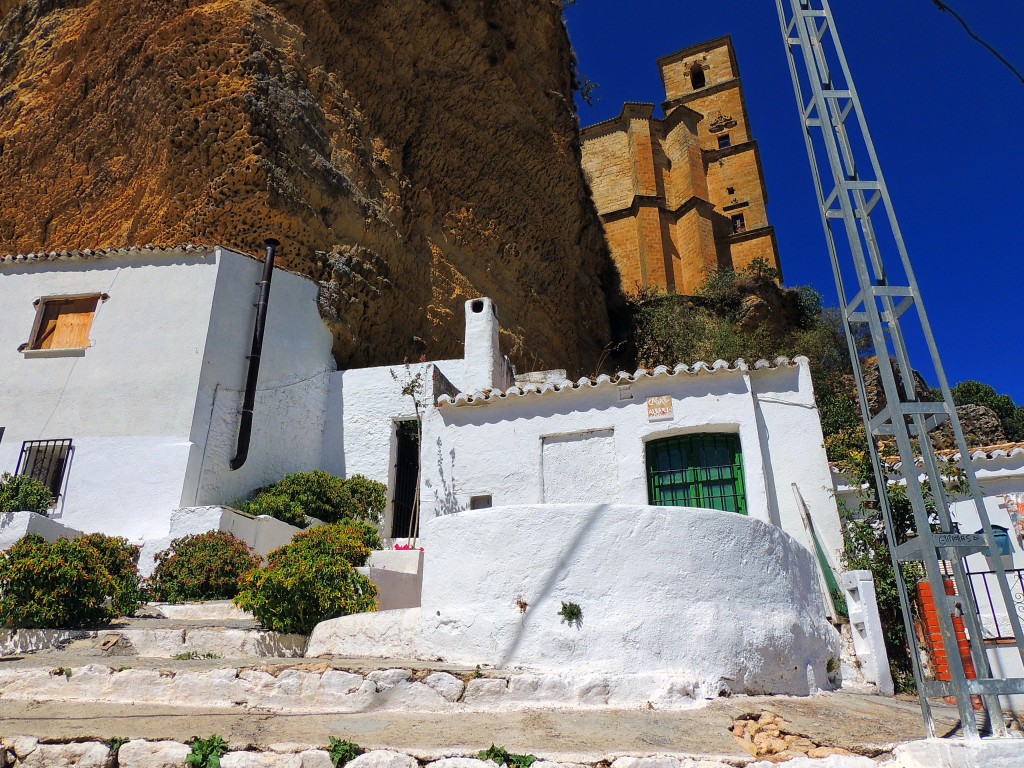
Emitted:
pixel 339 686
pixel 160 638
pixel 208 610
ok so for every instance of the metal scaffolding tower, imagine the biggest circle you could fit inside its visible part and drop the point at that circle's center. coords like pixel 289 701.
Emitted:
pixel 870 261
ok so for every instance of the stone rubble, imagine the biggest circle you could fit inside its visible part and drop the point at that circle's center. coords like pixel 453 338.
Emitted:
pixel 764 736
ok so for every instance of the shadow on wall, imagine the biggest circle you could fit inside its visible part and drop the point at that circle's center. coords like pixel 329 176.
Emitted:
pixel 554 576
pixel 446 501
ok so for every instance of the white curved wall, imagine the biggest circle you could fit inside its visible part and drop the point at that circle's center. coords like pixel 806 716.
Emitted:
pixel 719 601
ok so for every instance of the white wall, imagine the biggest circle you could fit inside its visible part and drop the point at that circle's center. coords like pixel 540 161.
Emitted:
pixel 291 400
pixel 588 444
pixel 152 406
pixel 363 405
pixel 640 575
pixel 127 400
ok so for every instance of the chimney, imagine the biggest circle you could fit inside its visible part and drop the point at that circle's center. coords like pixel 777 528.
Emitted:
pixel 484 364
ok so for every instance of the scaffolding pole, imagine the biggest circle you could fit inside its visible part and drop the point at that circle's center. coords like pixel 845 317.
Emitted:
pixel 882 303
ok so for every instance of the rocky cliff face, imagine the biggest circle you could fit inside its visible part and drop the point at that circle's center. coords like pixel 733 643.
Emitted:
pixel 408 154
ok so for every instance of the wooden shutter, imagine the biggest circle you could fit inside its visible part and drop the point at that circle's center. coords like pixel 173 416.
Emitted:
pixel 66 324
pixel 47 326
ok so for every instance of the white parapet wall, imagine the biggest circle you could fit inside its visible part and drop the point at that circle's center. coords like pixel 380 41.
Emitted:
pixel 710 602
pixel 16 525
pixel 866 627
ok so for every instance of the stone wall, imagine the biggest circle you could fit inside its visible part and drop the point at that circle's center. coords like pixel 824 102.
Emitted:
pixel 408 155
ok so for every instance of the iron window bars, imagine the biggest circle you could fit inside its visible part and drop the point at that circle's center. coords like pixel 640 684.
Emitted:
pixel 45 461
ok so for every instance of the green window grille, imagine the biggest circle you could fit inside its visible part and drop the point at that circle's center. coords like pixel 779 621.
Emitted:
pixel 703 470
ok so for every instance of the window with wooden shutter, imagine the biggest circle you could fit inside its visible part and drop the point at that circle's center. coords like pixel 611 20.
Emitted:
pixel 64 323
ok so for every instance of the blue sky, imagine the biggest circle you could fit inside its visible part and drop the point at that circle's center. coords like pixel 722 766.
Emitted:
pixel 946 117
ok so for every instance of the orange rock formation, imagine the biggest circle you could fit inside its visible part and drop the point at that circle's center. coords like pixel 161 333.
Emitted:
pixel 407 154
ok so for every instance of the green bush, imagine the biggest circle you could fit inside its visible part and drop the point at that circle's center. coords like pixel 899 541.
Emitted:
pixel 205 566
pixel 56 585
pixel 276 505
pixel 20 493
pixel 320 495
pixel 311 580
pixel 1011 416
pixel 369 498
pixel 121 560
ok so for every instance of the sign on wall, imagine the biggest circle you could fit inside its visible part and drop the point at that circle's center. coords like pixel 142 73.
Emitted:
pixel 659 408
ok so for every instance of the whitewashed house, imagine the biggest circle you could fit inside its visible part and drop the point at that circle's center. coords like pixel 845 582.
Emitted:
pixel 123 372
pixel 696 497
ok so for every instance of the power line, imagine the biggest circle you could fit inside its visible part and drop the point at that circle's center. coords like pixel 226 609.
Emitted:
pixel 946 9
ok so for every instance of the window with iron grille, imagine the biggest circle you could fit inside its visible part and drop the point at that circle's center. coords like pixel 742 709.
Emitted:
pixel 704 470
pixel 45 461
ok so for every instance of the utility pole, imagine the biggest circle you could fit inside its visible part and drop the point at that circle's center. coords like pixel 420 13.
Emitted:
pixel 878 293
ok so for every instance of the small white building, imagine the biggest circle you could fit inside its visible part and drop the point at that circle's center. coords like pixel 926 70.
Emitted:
pixel 123 372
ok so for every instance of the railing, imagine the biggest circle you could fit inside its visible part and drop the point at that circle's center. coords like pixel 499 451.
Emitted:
pixel 995 621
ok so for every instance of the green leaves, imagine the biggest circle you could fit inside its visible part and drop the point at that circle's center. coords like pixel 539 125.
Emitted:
pixel 20 493
pixel 65 584
pixel 205 566
pixel 502 756
pixel 320 495
pixel 342 752
pixel 571 614
pixel 312 579
pixel 206 753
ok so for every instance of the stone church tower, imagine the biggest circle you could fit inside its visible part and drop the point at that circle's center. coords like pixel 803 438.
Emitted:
pixel 682 196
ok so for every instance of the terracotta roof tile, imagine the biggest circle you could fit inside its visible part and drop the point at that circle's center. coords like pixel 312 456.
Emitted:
pixel 100 253
pixel 483 397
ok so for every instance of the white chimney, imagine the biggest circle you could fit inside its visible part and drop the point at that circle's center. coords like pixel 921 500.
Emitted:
pixel 484 364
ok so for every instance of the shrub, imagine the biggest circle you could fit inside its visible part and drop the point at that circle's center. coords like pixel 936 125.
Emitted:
pixel 277 505
pixel 205 566
pixel 310 580
pixel 369 498
pixel 121 560
pixel 46 585
pixel 320 495
pixel 20 493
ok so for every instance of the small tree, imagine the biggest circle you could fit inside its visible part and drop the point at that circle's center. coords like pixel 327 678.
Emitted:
pixel 412 387
pixel 866 547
